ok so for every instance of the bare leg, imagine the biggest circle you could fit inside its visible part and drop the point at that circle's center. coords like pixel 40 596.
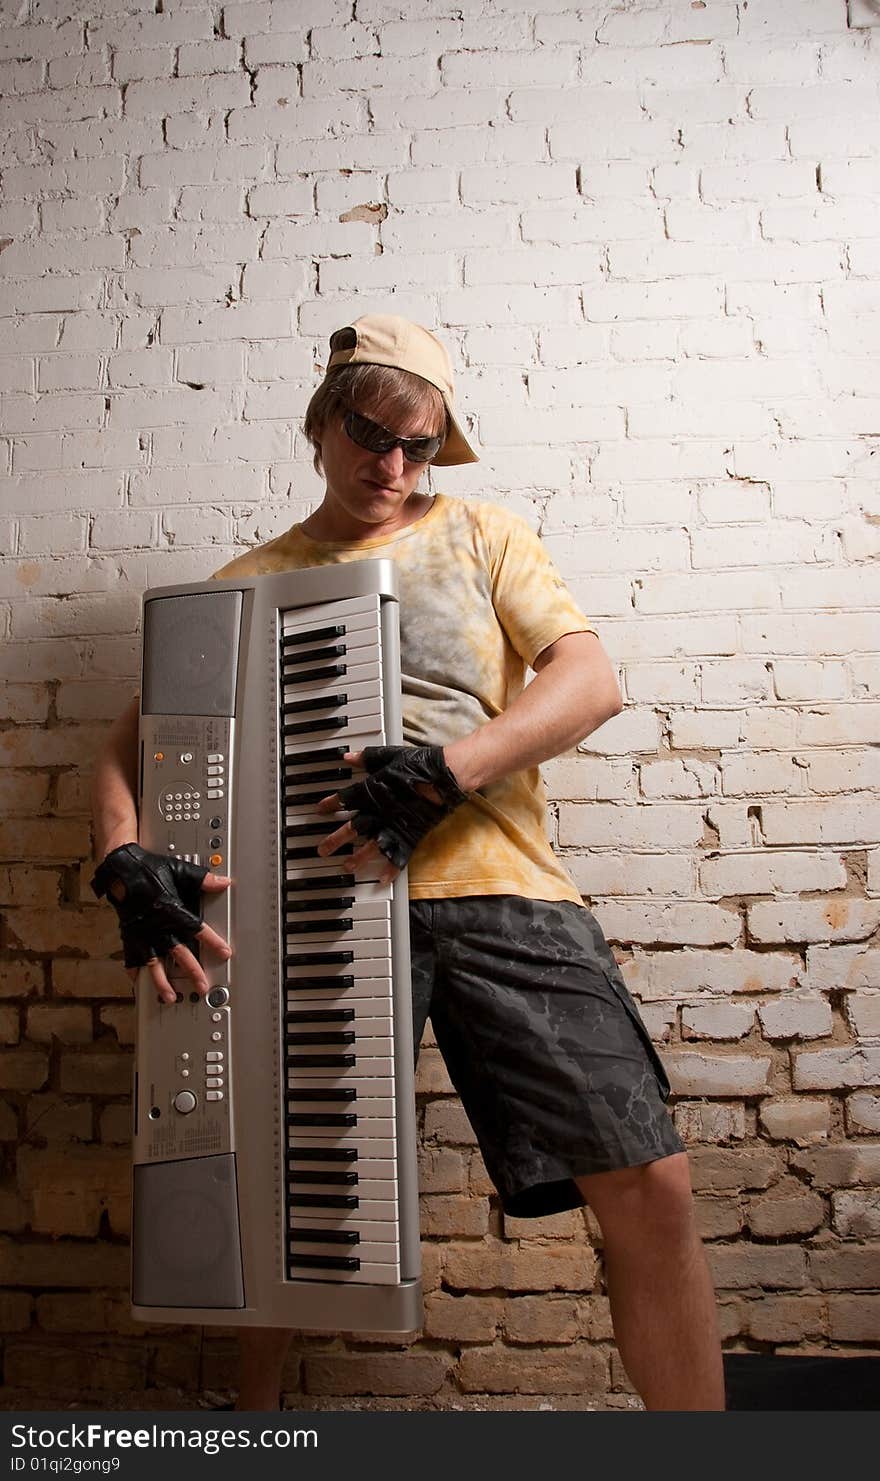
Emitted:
pixel 262 1351
pixel 662 1300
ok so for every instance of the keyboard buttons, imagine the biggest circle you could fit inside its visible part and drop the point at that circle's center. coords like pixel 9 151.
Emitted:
pixel 213 1054
pixel 214 1084
pixel 213 1094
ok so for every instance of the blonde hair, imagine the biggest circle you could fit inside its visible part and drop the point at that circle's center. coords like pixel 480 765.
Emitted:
pixel 373 387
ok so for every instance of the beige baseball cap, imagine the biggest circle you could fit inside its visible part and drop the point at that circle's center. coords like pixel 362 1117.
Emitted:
pixel 387 339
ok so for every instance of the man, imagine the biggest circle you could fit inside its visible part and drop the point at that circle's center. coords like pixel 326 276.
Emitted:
pixel 541 1038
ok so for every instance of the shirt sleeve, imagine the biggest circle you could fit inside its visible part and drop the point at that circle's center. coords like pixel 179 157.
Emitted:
pixel 533 603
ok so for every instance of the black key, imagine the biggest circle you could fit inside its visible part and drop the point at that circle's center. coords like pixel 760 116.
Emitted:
pixel 338 774
pixel 328 702
pixel 325 1036
pixel 311 635
pixel 304 927
pixel 306 798
pixel 319 827
pixel 314 758
pixel 317 958
pixel 321 1015
pixel 298 984
pixel 339 902
pixel 322 1061
pixel 311 852
pixel 324 1200
pixel 323 1262
pixel 317 655
pixel 304 727
pixel 317 882
pixel 325 1236
pixel 324 1118
pixel 311 676
pixel 323 1154
pixel 340 1179
pixel 343 1093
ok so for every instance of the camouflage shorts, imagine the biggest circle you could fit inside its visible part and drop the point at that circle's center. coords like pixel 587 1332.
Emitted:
pixel 542 1041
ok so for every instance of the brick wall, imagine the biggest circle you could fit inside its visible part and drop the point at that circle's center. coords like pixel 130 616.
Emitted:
pixel 649 232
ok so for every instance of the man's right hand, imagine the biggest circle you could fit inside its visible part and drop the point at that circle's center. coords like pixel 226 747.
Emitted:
pixel 157 900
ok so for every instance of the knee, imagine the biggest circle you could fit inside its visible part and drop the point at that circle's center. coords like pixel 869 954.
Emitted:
pixel 654 1198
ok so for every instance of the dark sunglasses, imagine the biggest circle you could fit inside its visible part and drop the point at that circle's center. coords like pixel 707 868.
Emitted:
pixel 377 439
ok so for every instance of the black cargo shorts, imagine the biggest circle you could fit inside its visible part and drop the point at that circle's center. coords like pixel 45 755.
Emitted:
pixel 543 1043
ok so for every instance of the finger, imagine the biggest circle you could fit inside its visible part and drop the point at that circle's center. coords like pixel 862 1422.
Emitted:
pixel 164 990
pixel 367 855
pixel 330 804
pixel 335 840
pixel 211 938
pixel 355 757
pixel 214 882
pixel 189 965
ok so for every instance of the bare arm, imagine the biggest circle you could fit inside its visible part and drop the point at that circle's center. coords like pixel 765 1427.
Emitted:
pixel 114 785
pixel 114 812
pixel 574 691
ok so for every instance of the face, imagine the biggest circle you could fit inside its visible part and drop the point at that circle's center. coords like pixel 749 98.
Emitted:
pixel 367 493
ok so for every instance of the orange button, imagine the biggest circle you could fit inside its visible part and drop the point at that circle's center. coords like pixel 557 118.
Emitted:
pixel 158 755
pixel 215 859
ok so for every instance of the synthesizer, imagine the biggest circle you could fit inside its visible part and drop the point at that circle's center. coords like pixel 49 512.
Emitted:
pixel 274 1145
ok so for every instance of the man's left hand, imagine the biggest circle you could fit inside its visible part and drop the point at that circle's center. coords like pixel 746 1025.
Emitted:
pixel 408 791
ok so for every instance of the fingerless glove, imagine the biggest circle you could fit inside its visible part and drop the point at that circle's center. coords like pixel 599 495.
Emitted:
pixel 388 807
pixel 161 906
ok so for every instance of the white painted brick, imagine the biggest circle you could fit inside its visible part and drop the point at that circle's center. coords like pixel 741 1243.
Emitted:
pixel 524 265
pixel 446 108
pixel 805 679
pixel 708 1074
pixel 863 1014
pixel 736 682
pixel 214 483
pixel 863 1113
pixel 554 66
pixel 802 1121
pixel 363 74
pixel 837 1069
pixel 52 534
pixel 631 731
pixel 842 919
pixel 830 968
pixel 123 529
pixel 200 58
pixel 735 823
pixel 765 874
pixel 717 1021
pixel 599 825
pixel 846 771
pixel 607 874
pixel 684 924
pixel 659 780
pixel 851 822
pixel 856 1215
pixel 796 1017
pixel 684 66
pixel 789 61
pixel 232 322
pixel 513 144
pixel 697 1121
pixel 585 777
pixel 541 182
pixel 744 775
pixel 609 140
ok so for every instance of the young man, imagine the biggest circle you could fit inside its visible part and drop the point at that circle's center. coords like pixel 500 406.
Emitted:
pixel 540 1036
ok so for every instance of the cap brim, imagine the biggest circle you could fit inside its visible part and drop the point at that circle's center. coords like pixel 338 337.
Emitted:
pixel 456 448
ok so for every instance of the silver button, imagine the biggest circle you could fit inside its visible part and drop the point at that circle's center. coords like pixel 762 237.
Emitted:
pixel 186 757
pixel 214 1095
pixel 214 1084
pixel 213 1053
pixel 184 1102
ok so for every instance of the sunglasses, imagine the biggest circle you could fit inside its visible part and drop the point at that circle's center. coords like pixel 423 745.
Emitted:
pixel 377 439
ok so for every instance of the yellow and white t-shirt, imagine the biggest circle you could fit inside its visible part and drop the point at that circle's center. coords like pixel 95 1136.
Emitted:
pixel 479 600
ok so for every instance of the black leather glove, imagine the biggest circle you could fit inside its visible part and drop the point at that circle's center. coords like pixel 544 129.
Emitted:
pixel 161 907
pixel 388 807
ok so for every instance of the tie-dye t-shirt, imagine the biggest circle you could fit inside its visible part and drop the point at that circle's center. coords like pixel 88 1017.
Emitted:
pixel 479 600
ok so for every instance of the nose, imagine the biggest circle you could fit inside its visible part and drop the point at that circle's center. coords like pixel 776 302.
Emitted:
pixel 392 462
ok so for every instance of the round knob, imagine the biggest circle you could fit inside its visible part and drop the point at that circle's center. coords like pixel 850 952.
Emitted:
pixel 184 1102
pixel 218 996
